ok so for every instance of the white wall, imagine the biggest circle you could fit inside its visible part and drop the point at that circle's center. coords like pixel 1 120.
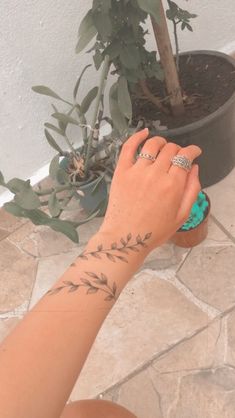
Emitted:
pixel 37 41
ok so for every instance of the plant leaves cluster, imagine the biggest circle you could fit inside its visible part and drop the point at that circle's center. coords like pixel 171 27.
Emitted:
pixel 118 29
pixel 179 16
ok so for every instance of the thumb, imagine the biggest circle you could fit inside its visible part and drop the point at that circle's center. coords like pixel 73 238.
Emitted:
pixel 191 191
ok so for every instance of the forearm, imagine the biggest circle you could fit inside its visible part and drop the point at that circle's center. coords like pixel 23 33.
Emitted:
pixel 41 360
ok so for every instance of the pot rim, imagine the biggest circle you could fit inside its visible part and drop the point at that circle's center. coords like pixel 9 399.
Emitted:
pixel 207 119
pixel 204 219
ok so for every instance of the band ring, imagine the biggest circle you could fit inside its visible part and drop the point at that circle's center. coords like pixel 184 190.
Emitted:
pixel 147 156
pixel 182 162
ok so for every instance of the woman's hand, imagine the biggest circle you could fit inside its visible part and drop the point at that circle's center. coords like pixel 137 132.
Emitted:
pixel 149 196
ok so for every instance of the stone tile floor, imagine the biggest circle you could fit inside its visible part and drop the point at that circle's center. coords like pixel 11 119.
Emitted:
pixel 167 350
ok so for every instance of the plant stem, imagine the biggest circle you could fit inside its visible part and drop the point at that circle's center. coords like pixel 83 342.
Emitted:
pixel 176 45
pixel 70 146
pixel 167 60
pixel 53 189
pixel 103 79
pixel 155 100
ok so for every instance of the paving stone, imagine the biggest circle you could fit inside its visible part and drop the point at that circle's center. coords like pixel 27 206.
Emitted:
pixel 164 257
pixel 207 394
pixel 230 355
pixel 215 236
pixel 140 396
pixel 223 201
pixel 202 351
pixel 3 234
pixel 17 275
pixel 23 238
pixel 210 275
pixel 149 317
pixel 9 222
pixel 50 242
pixel 6 326
pixel 49 270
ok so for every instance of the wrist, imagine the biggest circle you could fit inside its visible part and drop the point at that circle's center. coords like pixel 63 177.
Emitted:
pixel 123 246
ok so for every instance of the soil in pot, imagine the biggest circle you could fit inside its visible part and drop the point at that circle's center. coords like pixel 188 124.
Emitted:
pixel 193 236
pixel 207 82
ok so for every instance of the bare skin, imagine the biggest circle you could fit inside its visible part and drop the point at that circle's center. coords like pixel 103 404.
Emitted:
pixel 42 358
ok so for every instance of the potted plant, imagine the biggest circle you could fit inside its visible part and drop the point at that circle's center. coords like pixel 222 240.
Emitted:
pixel 79 174
pixel 188 98
pixel 195 229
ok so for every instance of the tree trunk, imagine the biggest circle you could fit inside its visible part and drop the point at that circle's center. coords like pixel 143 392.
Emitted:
pixel 168 63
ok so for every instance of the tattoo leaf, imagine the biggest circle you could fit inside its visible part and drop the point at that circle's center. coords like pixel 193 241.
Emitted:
pixel 134 249
pixel 83 257
pixel 123 242
pixel 91 274
pixel 123 250
pixel 109 297
pixel 100 247
pixel 122 258
pixel 86 282
pixel 110 257
pixel 147 236
pixel 114 288
pixel 104 278
pixel 72 265
pixel 114 246
pixel 92 289
pixel 129 236
pixel 55 291
pixel 95 255
pixel 138 239
pixel 68 283
pixel 73 288
pixel 142 244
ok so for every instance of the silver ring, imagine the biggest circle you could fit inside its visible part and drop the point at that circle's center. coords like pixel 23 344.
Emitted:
pixel 147 156
pixel 182 162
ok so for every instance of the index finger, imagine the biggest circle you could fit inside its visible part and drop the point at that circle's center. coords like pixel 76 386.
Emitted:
pixel 130 147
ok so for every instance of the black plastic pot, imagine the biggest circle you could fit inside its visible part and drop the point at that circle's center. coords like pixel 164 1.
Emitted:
pixel 214 134
pixel 95 195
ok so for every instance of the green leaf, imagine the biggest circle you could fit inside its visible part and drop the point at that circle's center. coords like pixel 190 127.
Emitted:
pixel 27 198
pixel 46 91
pixel 103 25
pixel 16 185
pixel 79 81
pixel 2 181
pixel 151 7
pixel 86 38
pixel 36 216
pixel 86 23
pixel 117 116
pixel 189 27
pixel 124 99
pixel 54 128
pixel 52 142
pixel 54 167
pixel 54 205
pixel 98 59
pixel 130 57
pixel 62 176
pixel 91 95
pixel 62 117
pixel 65 227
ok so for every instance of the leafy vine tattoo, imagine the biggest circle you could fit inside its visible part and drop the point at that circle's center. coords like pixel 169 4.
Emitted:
pixel 124 247
pixel 94 284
